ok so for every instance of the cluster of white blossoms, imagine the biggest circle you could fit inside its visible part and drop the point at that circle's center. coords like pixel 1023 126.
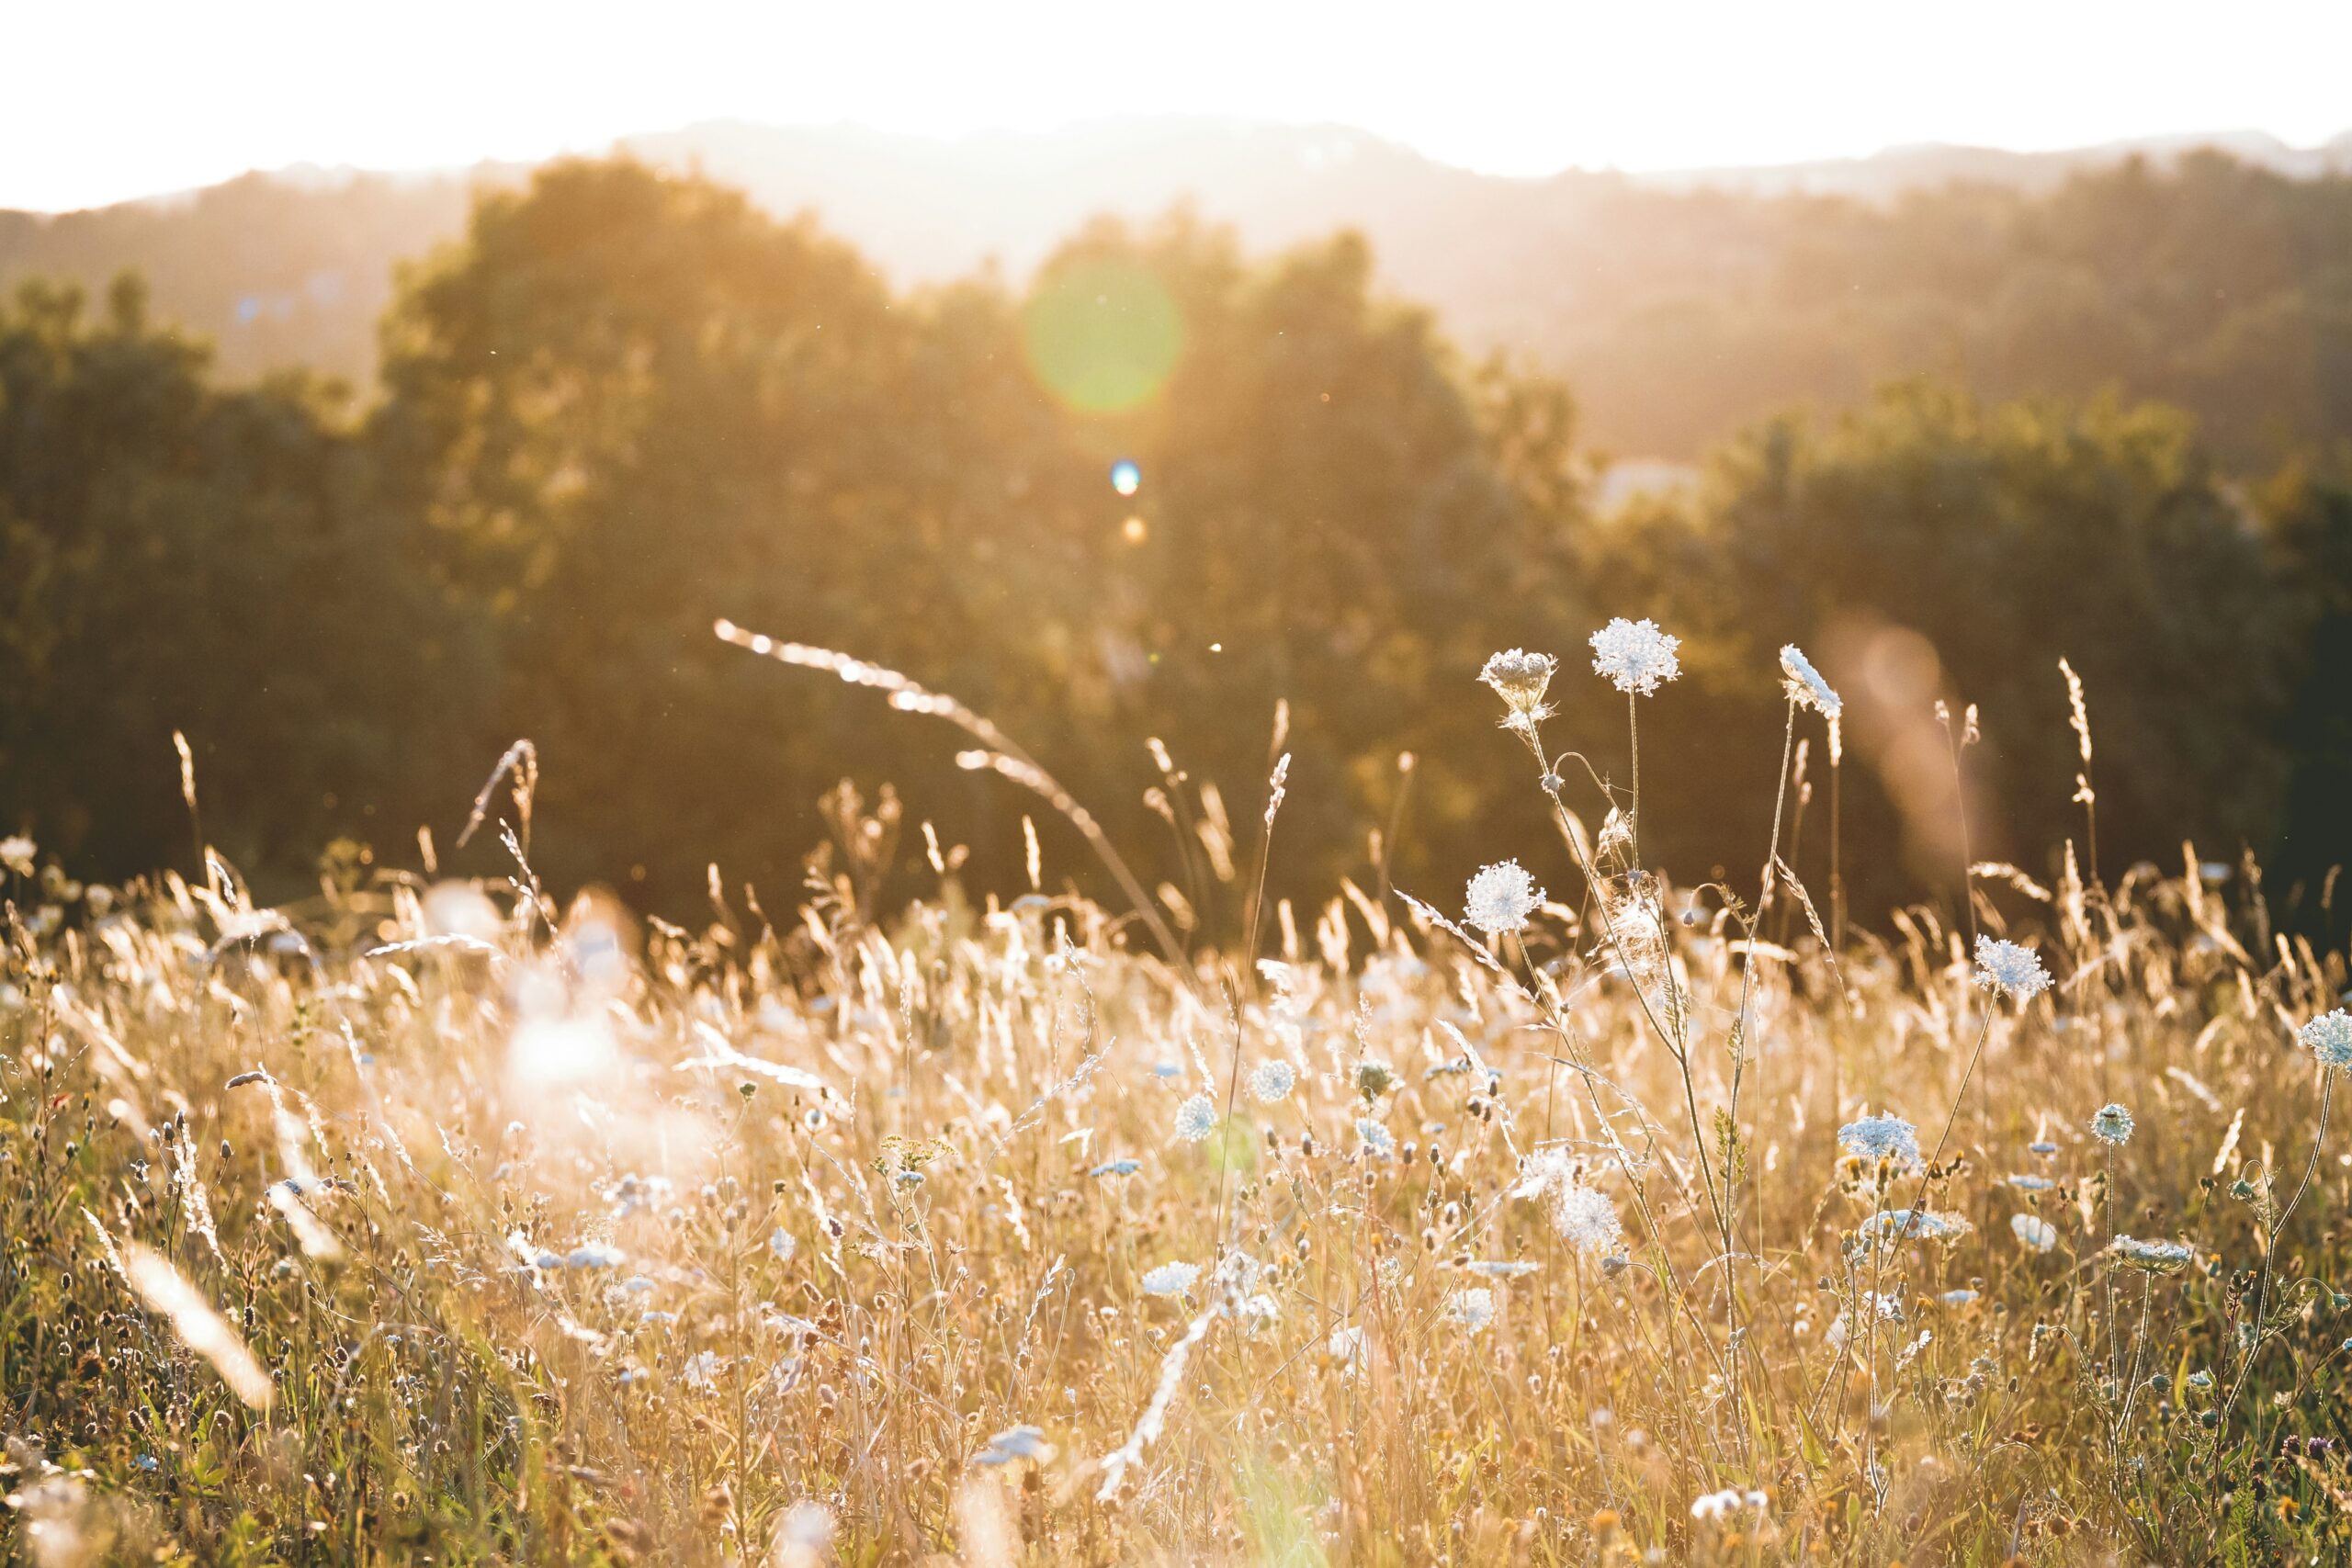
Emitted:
pixel 1805 686
pixel 2111 1124
pixel 2009 970
pixel 2036 1234
pixel 1727 1503
pixel 1501 898
pixel 1583 1215
pixel 1635 656
pixel 2329 1037
pixel 1472 1308
pixel 1885 1136
pixel 1273 1080
pixel 1520 678
pixel 1196 1119
pixel 1910 1224
pixel 1171 1278
pixel 1378 1141
pixel 2152 1256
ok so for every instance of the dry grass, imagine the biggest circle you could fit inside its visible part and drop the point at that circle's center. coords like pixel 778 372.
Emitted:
pixel 424 1223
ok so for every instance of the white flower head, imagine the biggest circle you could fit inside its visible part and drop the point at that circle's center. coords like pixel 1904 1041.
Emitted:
pixel 1474 1308
pixel 1501 898
pixel 1805 686
pixel 2152 1256
pixel 1635 656
pixel 1196 1119
pixel 2329 1036
pixel 1520 678
pixel 1273 1080
pixel 1171 1278
pixel 2036 1234
pixel 1885 1136
pixel 2111 1124
pixel 1727 1503
pixel 1015 1443
pixel 2009 970
pixel 1586 1220
pixel 1378 1141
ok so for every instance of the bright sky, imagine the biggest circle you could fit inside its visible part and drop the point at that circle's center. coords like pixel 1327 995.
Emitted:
pixel 109 100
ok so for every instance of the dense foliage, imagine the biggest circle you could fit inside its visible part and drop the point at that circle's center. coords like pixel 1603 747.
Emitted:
pixel 628 404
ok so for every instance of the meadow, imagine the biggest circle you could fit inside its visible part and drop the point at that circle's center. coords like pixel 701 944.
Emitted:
pixel 429 1219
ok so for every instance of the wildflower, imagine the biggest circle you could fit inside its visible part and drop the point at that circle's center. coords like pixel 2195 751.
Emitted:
pixel 782 1245
pixel 1346 1347
pixel 1373 1078
pixel 1378 1140
pixel 1635 655
pixel 1501 898
pixel 2330 1038
pixel 1508 1271
pixel 1116 1168
pixel 1585 1219
pixel 1196 1119
pixel 1258 1310
pixel 1885 1136
pixel 1731 1500
pixel 1171 1278
pixel 1806 687
pixel 2042 1146
pixel 2151 1257
pixel 1015 1442
pixel 2112 1125
pixel 1273 1080
pixel 1474 1308
pixel 2009 970
pixel 593 1255
pixel 702 1370
pixel 2035 1234
pixel 1520 678
pixel 2032 1183
pixel 16 853
pixel 1916 1225
pixel 1958 1298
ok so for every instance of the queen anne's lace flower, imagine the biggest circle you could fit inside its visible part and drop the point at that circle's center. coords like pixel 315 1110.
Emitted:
pixel 1885 1136
pixel 1196 1119
pixel 1501 898
pixel 2329 1036
pixel 2009 970
pixel 1377 1140
pixel 1520 678
pixel 1273 1080
pixel 2151 1257
pixel 2111 1124
pixel 1171 1278
pixel 2038 1235
pixel 1726 1503
pixel 1805 686
pixel 1635 656
pixel 1473 1309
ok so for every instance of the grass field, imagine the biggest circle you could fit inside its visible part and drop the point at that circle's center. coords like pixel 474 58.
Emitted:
pixel 435 1221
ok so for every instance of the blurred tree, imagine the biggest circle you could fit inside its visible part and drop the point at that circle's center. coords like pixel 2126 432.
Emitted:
pixel 215 562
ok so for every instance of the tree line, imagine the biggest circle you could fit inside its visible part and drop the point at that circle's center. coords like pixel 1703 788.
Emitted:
pixel 1160 492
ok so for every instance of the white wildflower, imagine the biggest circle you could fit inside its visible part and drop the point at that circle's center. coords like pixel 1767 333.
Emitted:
pixel 2152 1256
pixel 2329 1037
pixel 1885 1136
pixel 2111 1124
pixel 1196 1119
pixel 1805 686
pixel 702 1369
pixel 1474 1308
pixel 1273 1080
pixel 1520 678
pixel 2009 970
pixel 1726 1503
pixel 1635 655
pixel 1015 1442
pixel 1171 1278
pixel 1501 898
pixel 2036 1234
pixel 1378 1141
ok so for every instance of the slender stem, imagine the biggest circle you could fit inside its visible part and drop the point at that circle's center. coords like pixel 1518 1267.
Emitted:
pixel 2270 1262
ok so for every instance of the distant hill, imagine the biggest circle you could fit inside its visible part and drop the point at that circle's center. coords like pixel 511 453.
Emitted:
pixel 1677 305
